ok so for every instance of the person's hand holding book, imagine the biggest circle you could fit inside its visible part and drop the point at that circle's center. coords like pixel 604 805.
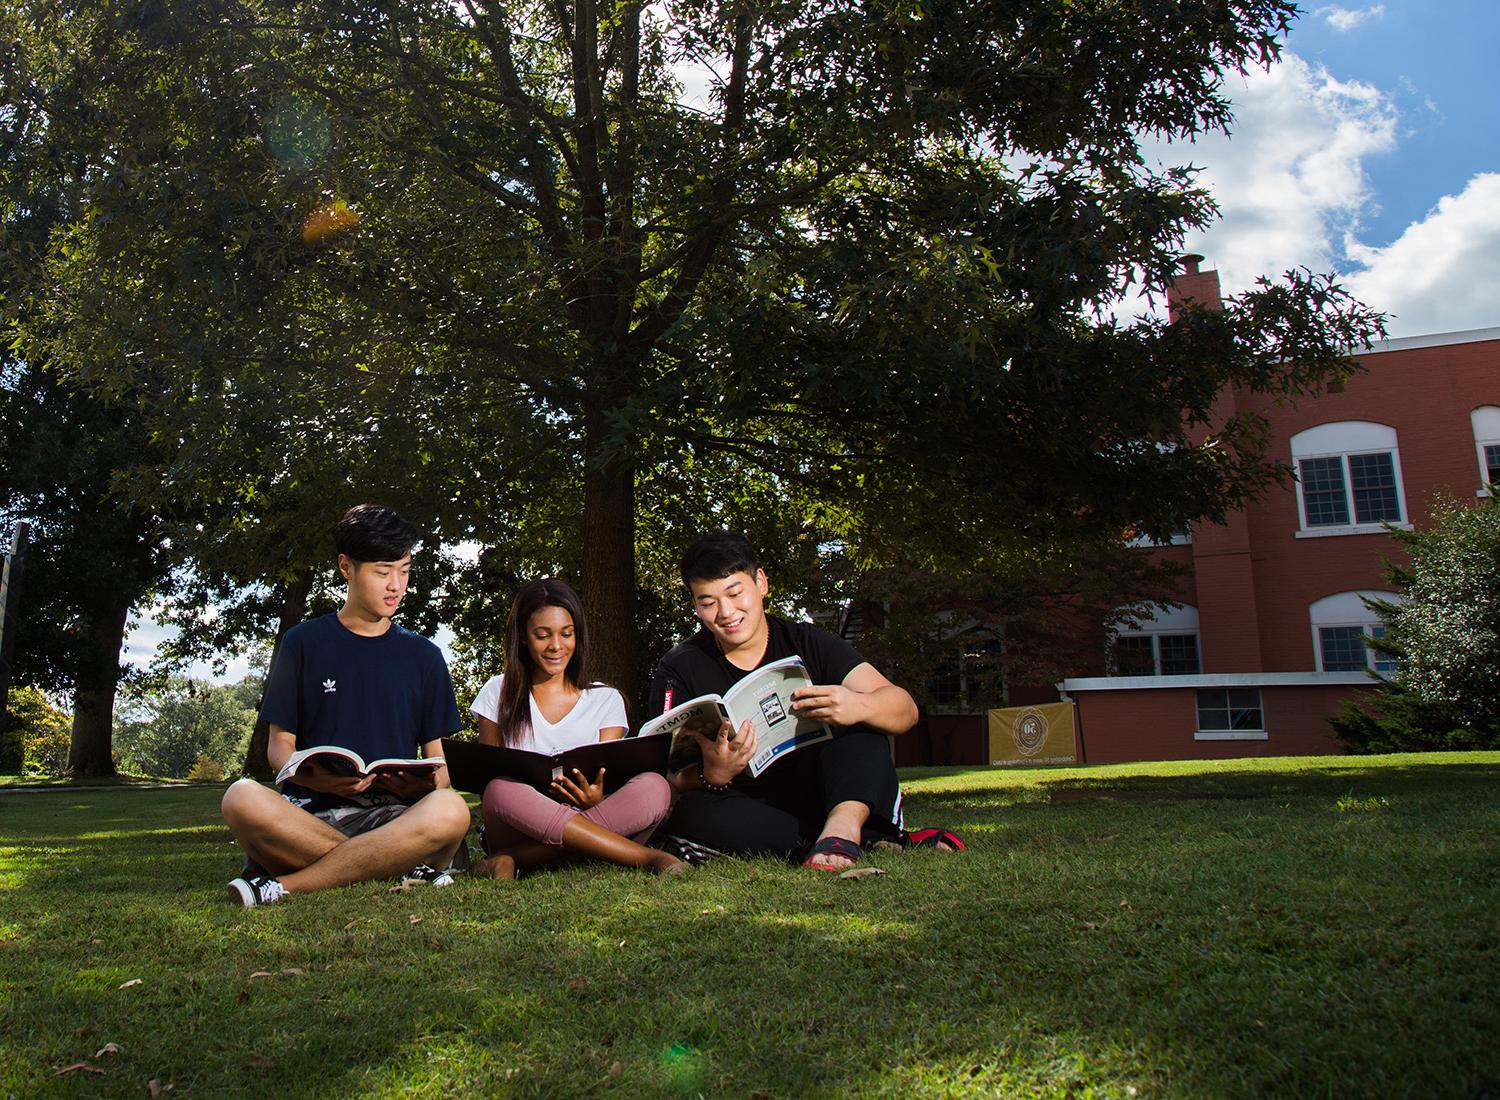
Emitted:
pixel 317 776
pixel 580 793
pixel 727 752
pixel 405 785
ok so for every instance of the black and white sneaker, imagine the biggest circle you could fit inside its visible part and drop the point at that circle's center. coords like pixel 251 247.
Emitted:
pixel 423 872
pixel 689 851
pixel 256 890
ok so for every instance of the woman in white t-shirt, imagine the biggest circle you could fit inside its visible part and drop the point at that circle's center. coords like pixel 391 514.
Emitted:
pixel 545 702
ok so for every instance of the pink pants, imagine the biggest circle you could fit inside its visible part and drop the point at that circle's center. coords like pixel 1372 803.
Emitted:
pixel 514 812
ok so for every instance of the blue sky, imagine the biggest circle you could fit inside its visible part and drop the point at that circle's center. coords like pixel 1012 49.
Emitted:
pixel 1437 63
pixel 1372 150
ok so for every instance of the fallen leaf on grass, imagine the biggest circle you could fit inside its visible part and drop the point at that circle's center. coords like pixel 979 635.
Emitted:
pixel 578 983
pixel 1125 904
pixel 107 1048
pixel 414 919
pixel 1088 926
pixel 75 1067
pixel 262 974
pixel 133 981
pixel 710 911
pixel 399 888
pixel 156 1088
pixel 257 1061
pixel 294 972
pixel 860 872
pixel 616 1068
pixel 352 923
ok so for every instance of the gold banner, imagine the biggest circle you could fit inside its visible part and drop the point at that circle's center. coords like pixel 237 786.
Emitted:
pixel 1032 735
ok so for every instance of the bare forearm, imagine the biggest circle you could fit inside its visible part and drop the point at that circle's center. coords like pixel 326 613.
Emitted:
pixel 889 709
pixel 279 748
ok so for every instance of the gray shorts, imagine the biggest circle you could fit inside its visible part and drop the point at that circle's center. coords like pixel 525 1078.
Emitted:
pixel 354 820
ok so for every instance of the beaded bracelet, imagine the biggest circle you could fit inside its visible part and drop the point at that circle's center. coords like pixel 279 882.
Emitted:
pixel 715 787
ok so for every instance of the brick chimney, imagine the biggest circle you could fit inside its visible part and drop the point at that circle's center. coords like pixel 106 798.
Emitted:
pixel 1193 286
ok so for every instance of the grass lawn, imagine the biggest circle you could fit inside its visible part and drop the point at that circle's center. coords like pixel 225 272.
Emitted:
pixel 1308 927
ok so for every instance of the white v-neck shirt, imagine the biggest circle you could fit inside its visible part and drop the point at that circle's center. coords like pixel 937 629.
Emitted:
pixel 598 708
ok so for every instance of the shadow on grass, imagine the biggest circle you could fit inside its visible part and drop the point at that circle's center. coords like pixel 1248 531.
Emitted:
pixel 1084 947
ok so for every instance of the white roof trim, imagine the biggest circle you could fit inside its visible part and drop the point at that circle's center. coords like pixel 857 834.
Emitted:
pixel 1215 680
pixel 1434 340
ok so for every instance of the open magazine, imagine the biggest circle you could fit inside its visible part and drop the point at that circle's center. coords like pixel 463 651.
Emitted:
pixel 765 697
pixel 349 762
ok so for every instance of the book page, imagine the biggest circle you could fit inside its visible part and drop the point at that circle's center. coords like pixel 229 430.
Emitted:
pixel 765 698
pixel 702 714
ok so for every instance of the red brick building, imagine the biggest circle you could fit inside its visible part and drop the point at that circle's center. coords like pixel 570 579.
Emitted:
pixel 1268 641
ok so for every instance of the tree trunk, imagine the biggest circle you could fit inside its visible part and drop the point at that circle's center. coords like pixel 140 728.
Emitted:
pixel 293 608
pixel 99 641
pixel 609 571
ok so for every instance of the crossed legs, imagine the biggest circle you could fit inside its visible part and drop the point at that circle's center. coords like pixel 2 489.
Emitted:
pixel 306 853
pixel 528 828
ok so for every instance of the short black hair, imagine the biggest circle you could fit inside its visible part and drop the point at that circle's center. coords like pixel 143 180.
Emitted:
pixel 715 555
pixel 370 532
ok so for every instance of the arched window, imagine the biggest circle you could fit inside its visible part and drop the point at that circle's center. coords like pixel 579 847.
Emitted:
pixel 1348 478
pixel 1486 423
pixel 1163 644
pixel 1341 623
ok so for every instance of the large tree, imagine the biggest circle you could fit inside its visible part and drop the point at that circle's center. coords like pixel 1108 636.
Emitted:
pixel 852 258
pixel 68 457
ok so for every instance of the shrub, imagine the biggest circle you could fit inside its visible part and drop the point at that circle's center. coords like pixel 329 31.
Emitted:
pixel 1445 639
pixel 37 733
pixel 206 770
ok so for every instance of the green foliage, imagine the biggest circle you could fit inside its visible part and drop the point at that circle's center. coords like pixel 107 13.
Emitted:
pixel 1004 620
pixel 37 733
pixel 1445 638
pixel 206 770
pixel 856 291
pixel 187 729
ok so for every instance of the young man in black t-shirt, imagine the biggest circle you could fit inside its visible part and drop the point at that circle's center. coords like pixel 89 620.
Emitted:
pixel 356 680
pixel 823 800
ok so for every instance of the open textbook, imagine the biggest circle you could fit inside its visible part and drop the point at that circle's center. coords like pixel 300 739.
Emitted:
pixel 764 696
pixel 349 762
pixel 471 765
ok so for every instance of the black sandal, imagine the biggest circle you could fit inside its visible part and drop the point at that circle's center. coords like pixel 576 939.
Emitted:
pixel 834 846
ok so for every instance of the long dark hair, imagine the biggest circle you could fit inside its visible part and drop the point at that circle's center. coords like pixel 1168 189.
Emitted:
pixel 514 718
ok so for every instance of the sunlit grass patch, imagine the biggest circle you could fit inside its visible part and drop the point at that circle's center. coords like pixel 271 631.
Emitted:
pixel 1174 929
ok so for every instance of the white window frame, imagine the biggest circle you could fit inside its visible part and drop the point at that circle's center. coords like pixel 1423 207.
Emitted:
pixel 1257 734
pixel 1347 609
pixel 1163 620
pixel 1485 422
pixel 1343 440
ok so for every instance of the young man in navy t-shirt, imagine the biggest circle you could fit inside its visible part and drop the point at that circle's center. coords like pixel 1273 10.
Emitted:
pixel 356 680
pixel 823 800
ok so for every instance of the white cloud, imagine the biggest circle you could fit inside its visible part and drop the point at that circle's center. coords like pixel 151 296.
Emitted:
pixel 1290 179
pixel 1345 20
pixel 1443 273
